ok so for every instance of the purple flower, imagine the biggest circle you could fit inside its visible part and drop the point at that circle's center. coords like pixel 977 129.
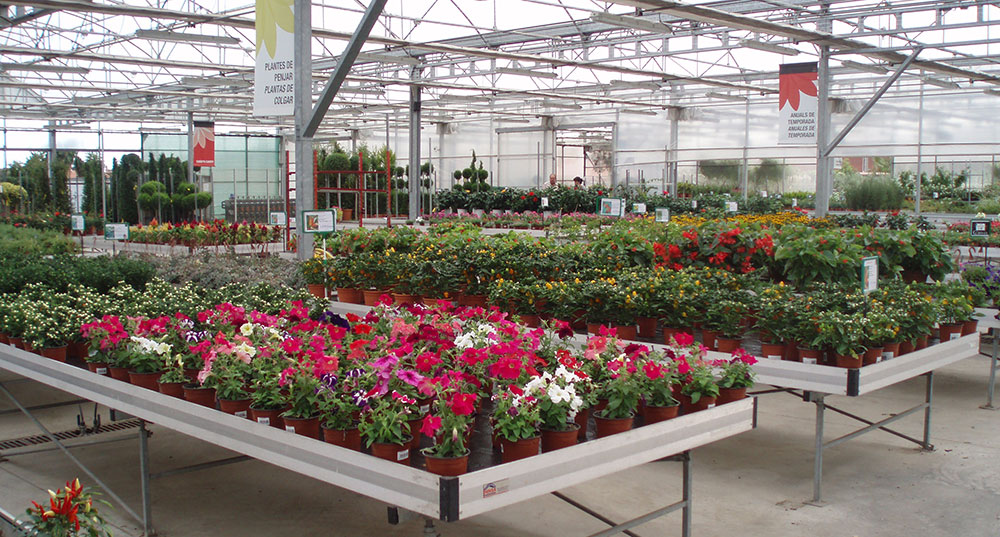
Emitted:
pixel 329 381
pixel 335 319
pixel 512 412
pixel 355 373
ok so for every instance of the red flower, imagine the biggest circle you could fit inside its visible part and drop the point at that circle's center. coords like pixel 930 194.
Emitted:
pixel 652 370
pixel 463 404
pixel 430 426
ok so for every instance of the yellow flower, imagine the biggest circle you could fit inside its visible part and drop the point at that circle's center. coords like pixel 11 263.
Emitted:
pixel 272 14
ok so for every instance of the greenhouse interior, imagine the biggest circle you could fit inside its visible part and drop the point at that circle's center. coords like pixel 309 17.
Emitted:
pixel 360 267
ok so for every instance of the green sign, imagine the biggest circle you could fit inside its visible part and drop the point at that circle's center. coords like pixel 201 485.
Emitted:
pixel 319 221
pixel 869 274
pixel 116 232
pixel 78 223
pixel 980 227
pixel 611 207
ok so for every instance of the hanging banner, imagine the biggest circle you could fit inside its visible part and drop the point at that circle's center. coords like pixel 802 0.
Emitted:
pixel 797 103
pixel 274 74
pixel 204 143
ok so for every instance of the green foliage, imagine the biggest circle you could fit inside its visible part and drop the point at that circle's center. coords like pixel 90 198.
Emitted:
pixel 725 173
pixel 20 240
pixel 873 193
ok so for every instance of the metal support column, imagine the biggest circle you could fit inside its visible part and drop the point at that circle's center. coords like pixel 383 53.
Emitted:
pixel 190 160
pixel 745 168
pixel 686 496
pixel 51 161
pixel 929 399
pixel 824 178
pixel 920 151
pixel 994 335
pixel 414 146
pixel 147 501
pixel 304 178
pixel 818 399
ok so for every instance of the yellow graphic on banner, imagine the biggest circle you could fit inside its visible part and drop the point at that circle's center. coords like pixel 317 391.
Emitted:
pixel 272 14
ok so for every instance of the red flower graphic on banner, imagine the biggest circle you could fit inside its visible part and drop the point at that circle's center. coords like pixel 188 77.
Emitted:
pixel 791 85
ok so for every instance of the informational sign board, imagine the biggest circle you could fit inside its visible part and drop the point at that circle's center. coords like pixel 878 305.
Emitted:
pixel 869 274
pixel 797 103
pixel 980 227
pixel 662 215
pixel 116 232
pixel 732 206
pixel 274 72
pixel 611 207
pixel 639 208
pixel 319 221
pixel 545 203
pixel 795 202
pixel 204 144
pixel 77 222
pixel 694 204
pixel 277 218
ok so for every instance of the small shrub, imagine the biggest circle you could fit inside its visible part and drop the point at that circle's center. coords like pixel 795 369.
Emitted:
pixel 874 193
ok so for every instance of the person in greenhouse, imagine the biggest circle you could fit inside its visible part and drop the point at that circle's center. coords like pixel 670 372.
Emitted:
pixel 578 182
pixel 552 179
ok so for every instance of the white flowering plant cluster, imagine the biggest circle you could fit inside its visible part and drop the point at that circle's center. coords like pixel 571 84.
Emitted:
pixel 144 355
pixel 559 396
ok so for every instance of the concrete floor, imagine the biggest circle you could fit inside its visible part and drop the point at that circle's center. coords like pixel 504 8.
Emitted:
pixel 754 484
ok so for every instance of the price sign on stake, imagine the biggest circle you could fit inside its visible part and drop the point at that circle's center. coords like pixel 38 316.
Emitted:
pixel 611 207
pixel 869 274
pixel 319 221
pixel 545 203
pixel 663 215
pixel 77 222
pixel 277 219
pixel 732 206
pixel 980 227
pixel 639 208
pixel 116 232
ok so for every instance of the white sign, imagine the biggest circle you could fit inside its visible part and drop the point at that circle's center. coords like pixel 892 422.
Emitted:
pixel 274 73
pixel 732 206
pixel 277 219
pixel 639 208
pixel 116 232
pixel 795 202
pixel 662 215
pixel 694 204
pixel 545 203
pixel 319 221
pixel 611 207
pixel 869 274
pixel 797 103
pixel 763 193
pixel 77 222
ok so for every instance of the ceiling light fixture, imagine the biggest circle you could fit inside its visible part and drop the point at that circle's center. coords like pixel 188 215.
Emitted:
pixel 768 47
pixel 634 23
pixel 866 67
pixel 162 35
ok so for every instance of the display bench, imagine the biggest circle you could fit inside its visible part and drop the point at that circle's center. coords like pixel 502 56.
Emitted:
pixel 443 498
pixel 813 383
pixel 988 323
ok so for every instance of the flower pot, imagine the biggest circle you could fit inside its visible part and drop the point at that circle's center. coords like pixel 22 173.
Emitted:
pixel 192 375
pixel 921 342
pixel 317 290
pixel 553 439
pixel 145 380
pixel 303 426
pixel 521 449
pixel 647 327
pixel 393 452
pixel 16 342
pixel 372 296
pixel 350 295
pixel 688 407
pixel 906 347
pixel 610 426
pixel 583 420
pixel 809 356
pixel 578 320
pixel 627 332
pixel 403 299
pixel 728 395
pixel 268 416
pixel 346 438
pixel 772 351
pixel 77 350
pixel 914 276
pixel 970 327
pixel 100 368
pixel 727 344
pixel 594 328
pixel 708 338
pixel 4 338
pixel 474 301
pixel 890 351
pixel 119 373
pixel 656 414
pixel 58 354
pixel 669 332
pixel 531 320
pixel 872 356
pixel 237 407
pixel 173 389
pixel 26 345
pixel 199 395
pixel 848 362
pixel 447 466
pixel 951 331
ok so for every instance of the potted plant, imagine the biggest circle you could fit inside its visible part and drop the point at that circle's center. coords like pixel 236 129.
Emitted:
pixel 267 400
pixel 71 512
pixel 229 376
pixel 385 427
pixel 736 375
pixel 724 320
pixel 448 424
pixel 339 410
pixel 657 383
pixel 558 404
pixel 698 387
pixel 145 359
pixel 302 386
pixel 621 390
pixel 314 273
pixel 173 379
pixel 842 333
pixel 515 420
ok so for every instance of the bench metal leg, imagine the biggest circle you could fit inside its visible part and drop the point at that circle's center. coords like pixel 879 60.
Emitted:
pixel 147 502
pixel 929 399
pixel 818 400
pixel 993 371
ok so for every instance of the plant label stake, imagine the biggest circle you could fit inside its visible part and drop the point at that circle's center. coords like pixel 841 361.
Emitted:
pixel 981 227
pixel 77 223
pixel 869 274
pixel 115 233
pixel 662 215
